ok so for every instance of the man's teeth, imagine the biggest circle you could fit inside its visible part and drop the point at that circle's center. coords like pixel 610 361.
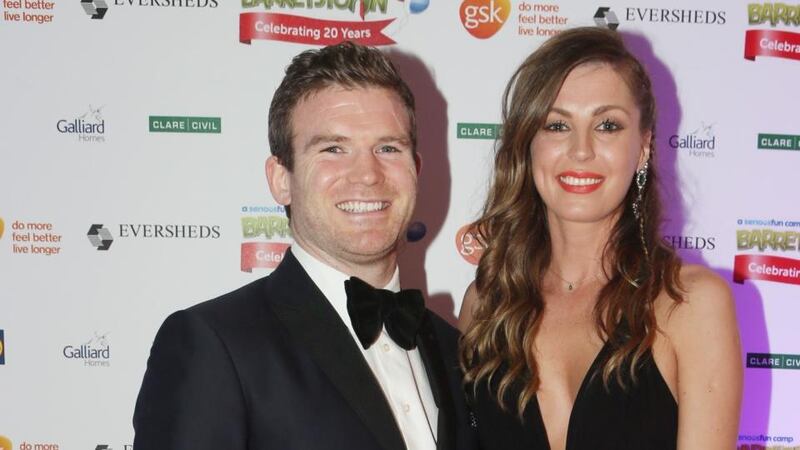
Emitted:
pixel 362 207
pixel 574 181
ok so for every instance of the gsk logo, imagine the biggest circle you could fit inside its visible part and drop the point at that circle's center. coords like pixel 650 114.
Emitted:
pixel 5 443
pixel 484 18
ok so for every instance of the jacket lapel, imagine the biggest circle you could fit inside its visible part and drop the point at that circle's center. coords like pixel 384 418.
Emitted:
pixel 312 321
pixel 436 370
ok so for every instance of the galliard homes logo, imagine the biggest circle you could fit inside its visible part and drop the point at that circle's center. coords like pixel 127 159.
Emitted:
pixel 185 124
pixel 266 236
pixel 777 43
pixel 89 127
pixel 607 17
pixel 95 352
pixel 326 22
pixel 699 142
pixel 770 245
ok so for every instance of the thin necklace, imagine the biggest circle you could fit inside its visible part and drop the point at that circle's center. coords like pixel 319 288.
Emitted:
pixel 570 284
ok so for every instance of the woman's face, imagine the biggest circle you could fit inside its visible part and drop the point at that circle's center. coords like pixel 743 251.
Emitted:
pixel 585 156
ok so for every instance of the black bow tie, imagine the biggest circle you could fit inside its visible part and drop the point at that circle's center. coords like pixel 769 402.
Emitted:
pixel 370 309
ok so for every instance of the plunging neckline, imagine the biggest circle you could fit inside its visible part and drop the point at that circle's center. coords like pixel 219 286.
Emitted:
pixel 586 379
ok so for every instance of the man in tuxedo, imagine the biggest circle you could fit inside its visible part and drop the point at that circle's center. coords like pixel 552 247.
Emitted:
pixel 313 356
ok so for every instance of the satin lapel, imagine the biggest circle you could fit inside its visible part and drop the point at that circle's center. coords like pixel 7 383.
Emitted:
pixel 312 321
pixel 436 370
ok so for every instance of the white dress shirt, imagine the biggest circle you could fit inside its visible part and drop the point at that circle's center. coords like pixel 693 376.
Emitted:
pixel 400 373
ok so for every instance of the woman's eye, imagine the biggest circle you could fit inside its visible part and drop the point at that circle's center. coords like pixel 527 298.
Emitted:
pixel 609 125
pixel 558 125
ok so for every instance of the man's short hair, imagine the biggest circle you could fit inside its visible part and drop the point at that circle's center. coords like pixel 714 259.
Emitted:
pixel 348 65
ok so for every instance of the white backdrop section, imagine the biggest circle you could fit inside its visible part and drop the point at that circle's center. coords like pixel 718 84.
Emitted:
pixel 77 324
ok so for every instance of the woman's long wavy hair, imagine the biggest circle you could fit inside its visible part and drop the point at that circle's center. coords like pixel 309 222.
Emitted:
pixel 513 228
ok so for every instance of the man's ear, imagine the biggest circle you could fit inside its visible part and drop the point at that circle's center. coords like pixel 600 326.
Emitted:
pixel 278 181
pixel 418 162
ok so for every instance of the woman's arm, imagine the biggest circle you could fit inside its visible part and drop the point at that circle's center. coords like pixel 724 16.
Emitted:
pixel 704 333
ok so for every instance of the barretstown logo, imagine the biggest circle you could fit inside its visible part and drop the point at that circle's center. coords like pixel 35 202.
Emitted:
pixel 771 42
pixel 484 18
pixel 267 236
pixel 778 141
pixel 185 124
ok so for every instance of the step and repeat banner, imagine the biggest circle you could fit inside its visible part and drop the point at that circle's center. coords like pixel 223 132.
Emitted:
pixel 134 136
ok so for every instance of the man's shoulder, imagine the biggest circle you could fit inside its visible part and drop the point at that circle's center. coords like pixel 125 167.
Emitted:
pixel 247 304
pixel 445 333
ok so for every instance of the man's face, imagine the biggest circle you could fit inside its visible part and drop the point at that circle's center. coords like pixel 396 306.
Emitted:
pixel 353 187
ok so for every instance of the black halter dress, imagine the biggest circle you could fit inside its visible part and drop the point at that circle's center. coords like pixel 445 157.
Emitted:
pixel 642 417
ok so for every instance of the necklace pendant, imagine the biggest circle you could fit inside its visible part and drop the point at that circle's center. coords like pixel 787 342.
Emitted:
pixel 569 286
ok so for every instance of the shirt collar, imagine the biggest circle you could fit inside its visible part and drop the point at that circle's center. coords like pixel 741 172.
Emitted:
pixel 331 281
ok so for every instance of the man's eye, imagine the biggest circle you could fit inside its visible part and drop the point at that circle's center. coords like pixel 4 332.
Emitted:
pixel 332 149
pixel 558 125
pixel 388 149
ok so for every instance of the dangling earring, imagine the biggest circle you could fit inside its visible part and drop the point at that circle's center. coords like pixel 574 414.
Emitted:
pixel 641 180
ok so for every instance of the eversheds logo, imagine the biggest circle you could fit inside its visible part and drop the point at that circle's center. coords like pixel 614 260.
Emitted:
pixel 605 17
pixel 100 237
pixel 95 8
pixel 482 18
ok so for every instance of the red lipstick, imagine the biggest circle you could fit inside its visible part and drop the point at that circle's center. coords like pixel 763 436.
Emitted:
pixel 579 182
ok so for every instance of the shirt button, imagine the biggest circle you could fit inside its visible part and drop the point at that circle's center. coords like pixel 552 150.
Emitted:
pixel 406 408
pixel 385 348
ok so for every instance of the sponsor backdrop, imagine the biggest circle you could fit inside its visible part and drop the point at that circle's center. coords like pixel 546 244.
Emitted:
pixel 134 136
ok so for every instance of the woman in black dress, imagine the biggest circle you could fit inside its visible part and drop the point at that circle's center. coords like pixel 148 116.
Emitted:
pixel 583 330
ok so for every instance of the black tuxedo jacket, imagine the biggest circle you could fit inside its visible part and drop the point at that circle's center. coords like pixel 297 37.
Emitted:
pixel 272 366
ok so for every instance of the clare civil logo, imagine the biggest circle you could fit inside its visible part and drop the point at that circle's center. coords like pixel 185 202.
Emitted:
pixel 778 141
pixel 484 18
pixel 181 124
